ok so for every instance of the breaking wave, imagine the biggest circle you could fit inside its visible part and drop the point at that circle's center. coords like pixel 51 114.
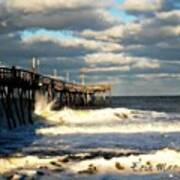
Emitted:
pixel 119 120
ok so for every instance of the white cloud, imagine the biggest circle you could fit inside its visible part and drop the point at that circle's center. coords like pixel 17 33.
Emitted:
pixel 107 35
pixel 105 69
pixel 121 59
pixel 157 76
pixel 114 33
pixel 169 15
pixel 35 6
pixel 142 5
pixel 146 63
pixel 74 42
pixel 101 58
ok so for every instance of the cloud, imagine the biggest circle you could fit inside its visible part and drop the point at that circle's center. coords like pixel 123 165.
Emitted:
pixel 109 34
pixel 73 43
pixel 156 37
pixel 49 46
pixel 40 46
pixel 105 69
pixel 148 7
pixel 166 19
pixel 134 52
pixel 142 6
pixel 54 14
pixel 112 64
pixel 47 5
pixel 160 27
pixel 146 63
pixel 120 59
pixel 156 76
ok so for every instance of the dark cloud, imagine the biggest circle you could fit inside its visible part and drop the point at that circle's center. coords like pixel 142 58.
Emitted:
pixel 19 15
pixel 165 53
pixel 13 46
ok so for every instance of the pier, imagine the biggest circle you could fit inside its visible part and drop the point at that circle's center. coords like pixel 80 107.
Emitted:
pixel 18 89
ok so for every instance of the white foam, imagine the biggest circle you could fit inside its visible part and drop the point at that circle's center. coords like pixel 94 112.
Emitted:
pixel 165 160
pixel 10 163
pixel 106 120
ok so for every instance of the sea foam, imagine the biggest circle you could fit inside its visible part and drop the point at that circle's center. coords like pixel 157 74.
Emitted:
pixel 105 120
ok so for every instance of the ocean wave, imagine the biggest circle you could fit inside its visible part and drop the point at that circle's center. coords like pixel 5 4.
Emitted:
pixel 106 120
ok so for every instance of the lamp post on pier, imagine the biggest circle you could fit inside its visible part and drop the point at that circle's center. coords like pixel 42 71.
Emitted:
pixel 35 64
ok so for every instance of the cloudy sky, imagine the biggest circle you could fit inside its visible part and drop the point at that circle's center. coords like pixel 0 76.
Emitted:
pixel 132 44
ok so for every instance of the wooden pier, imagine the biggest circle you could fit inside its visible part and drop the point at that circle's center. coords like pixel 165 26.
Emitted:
pixel 18 88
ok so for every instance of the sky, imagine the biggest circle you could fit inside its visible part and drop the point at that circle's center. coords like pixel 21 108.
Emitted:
pixel 132 44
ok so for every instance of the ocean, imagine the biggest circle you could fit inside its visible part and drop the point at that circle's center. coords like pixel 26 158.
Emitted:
pixel 148 103
pixel 132 138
